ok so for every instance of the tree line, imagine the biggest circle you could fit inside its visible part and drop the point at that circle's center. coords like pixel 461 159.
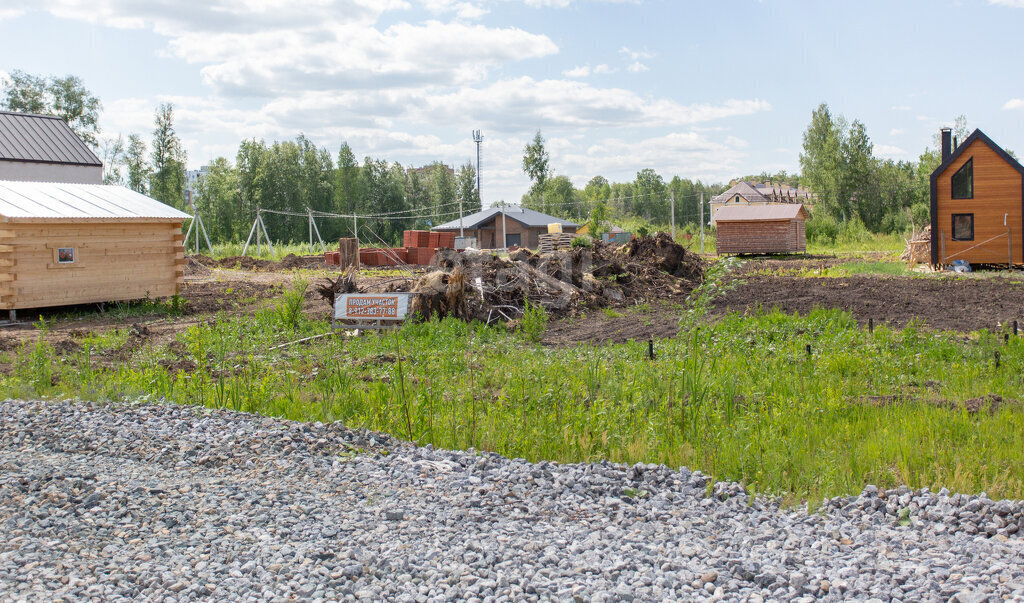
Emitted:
pixel 648 198
pixel 855 189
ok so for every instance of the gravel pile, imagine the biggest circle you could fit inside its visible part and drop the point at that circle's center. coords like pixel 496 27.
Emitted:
pixel 178 503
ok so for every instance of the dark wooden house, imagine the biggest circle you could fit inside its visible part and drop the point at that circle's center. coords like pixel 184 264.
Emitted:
pixel 761 228
pixel 977 203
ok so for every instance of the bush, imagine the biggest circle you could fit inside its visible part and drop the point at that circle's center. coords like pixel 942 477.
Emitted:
pixel 289 307
pixel 582 241
pixel 822 228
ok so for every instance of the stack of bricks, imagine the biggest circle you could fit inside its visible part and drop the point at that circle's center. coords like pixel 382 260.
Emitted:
pixel 418 248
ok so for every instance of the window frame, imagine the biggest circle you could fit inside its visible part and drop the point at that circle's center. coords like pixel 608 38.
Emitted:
pixel 953 226
pixel 64 262
pixel 952 188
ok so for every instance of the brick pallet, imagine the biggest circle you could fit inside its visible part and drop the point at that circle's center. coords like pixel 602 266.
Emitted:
pixel 548 243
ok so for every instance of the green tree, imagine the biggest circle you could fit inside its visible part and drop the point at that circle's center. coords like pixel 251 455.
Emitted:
pixel 560 198
pixel 651 196
pixel 441 187
pixel 348 196
pixel 597 189
pixel 217 200
pixel 65 97
pixel 536 163
pixel 112 153
pixel 136 164
pixel 73 103
pixel 599 220
pixel 167 180
pixel 823 164
pixel 465 186
pixel 26 93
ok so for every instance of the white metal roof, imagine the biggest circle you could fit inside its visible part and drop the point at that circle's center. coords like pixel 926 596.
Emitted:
pixel 54 200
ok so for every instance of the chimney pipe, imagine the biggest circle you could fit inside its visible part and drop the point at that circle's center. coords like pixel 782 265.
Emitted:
pixel 946 143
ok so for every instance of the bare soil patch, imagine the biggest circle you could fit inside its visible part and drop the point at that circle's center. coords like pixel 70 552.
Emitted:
pixel 945 303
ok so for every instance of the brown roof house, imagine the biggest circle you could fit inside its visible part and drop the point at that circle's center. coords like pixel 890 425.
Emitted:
pixel 977 203
pixel 778 228
pixel 751 193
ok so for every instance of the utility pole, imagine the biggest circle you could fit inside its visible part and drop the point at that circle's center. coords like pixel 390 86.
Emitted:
pixel 504 231
pixel 702 222
pixel 478 138
pixel 462 233
pixel 672 196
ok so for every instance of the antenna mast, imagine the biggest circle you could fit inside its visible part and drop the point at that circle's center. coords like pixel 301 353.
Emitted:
pixel 478 138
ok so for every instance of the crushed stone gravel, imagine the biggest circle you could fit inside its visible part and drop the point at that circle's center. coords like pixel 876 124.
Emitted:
pixel 172 503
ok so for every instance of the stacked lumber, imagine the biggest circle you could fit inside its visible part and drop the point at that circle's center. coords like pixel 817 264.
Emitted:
pixel 549 243
pixel 918 247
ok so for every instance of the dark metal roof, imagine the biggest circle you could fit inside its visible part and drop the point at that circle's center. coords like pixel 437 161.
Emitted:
pixel 526 217
pixel 41 139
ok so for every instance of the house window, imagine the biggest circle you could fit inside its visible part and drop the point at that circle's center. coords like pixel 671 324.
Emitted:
pixel 737 198
pixel 963 181
pixel 963 227
pixel 65 255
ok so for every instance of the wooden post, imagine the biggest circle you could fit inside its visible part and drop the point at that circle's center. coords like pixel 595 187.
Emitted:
pixel 650 348
pixel 871 325
pixel 1015 328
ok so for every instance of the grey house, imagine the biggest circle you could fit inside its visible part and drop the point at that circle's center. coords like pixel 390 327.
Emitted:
pixel 524 226
pixel 42 148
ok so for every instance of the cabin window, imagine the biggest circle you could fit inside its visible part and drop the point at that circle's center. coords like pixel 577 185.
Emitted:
pixel 65 255
pixel 963 227
pixel 737 198
pixel 963 181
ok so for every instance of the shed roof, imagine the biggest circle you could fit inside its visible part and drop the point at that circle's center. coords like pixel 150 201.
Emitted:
pixel 60 201
pixel 41 139
pixel 760 213
pixel 526 217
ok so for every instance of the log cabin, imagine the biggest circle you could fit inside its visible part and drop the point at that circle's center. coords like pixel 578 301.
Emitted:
pixel 66 243
pixel 977 203
pixel 777 228
pixel 524 226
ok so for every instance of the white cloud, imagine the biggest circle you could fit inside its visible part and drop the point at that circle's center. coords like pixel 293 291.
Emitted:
pixel 462 10
pixel 896 132
pixel 10 13
pixel 581 71
pixel 638 67
pixel 1013 3
pixel 1014 103
pixel 276 46
pixel 636 55
pixel 605 69
pixel 524 104
pixel 885 150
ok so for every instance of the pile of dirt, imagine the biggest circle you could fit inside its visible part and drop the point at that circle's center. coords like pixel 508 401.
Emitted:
pixel 194 267
pixel 486 287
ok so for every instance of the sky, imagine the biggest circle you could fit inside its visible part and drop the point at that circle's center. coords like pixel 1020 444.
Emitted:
pixel 702 90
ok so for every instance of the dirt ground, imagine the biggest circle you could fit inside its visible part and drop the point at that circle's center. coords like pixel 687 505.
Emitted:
pixel 939 302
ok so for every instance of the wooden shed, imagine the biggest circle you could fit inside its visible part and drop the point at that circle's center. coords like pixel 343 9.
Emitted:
pixel 761 228
pixel 63 244
pixel 977 203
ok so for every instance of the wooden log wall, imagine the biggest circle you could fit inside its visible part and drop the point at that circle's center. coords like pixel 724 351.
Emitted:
pixel 761 236
pixel 114 261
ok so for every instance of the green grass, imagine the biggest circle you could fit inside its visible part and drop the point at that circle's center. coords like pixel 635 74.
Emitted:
pixel 740 399
pixel 226 250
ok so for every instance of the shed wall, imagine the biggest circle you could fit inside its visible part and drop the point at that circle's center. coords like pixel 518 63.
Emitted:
pixel 997 194
pixel 28 171
pixel 113 261
pixel 761 236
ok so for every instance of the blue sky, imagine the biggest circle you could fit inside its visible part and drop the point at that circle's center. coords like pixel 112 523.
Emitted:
pixel 709 90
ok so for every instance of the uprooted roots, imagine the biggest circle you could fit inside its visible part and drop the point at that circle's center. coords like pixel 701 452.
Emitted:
pixel 486 287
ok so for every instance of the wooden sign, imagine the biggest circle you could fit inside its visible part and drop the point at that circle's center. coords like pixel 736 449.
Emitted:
pixel 372 306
